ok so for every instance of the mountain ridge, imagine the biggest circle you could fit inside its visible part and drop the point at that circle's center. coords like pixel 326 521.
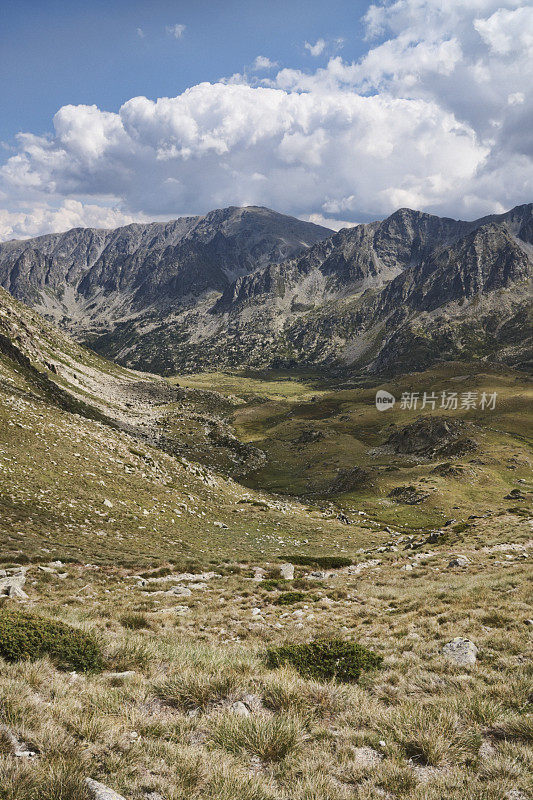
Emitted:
pixel 247 287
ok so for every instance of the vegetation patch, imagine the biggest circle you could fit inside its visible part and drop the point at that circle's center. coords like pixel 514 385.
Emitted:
pixel 134 621
pixel 24 636
pixel 269 738
pixel 326 562
pixel 191 690
pixel 287 598
pixel 325 660
pixel 272 585
pixel 461 527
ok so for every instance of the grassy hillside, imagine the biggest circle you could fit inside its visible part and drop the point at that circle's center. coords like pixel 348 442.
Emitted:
pixel 171 576
pixel 312 432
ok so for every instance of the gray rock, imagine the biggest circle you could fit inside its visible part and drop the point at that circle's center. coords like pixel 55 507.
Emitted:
pixel 252 702
pixel 100 792
pixel 460 650
pixel 287 571
pixel 16 592
pixel 240 709
pixel 12 585
pixel 117 676
pixel 459 561
pixel 487 750
pixel 180 591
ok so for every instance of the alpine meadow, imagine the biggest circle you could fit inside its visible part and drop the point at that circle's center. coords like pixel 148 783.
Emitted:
pixel 265 400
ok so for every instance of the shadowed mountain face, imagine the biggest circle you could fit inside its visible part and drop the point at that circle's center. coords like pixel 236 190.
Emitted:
pixel 248 287
pixel 88 277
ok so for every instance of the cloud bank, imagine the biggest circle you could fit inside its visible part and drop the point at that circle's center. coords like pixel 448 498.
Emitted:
pixel 437 115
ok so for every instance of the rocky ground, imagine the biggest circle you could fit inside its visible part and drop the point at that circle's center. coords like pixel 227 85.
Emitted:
pixel 180 579
pixel 186 706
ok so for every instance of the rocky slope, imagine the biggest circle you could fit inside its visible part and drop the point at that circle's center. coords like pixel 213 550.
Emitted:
pixel 90 279
pixel 38 360
pixel 384 297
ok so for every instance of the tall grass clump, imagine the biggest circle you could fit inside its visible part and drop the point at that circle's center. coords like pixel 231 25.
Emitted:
pixel 271 738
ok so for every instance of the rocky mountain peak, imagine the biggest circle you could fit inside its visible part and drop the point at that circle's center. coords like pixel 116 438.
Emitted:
pixel 251 287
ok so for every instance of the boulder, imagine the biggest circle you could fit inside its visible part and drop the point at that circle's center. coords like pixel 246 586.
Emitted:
pixel 253 702
pixel 287 572
pixel 12 585
pixel 100 792
pixel 461 651
pixel 180 591
pixel 409 495
pixel 240 709
pixel 459 561
pixel 515 494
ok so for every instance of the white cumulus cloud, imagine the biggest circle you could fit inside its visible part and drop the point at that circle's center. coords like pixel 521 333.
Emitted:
pixel 71 214
pixel 436 115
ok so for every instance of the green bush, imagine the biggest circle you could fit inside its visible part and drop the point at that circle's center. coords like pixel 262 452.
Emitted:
pixel 24 636
pixel 326 562
pixel 287 598
pixel 461 527
pixel 325 659
pixel 272 585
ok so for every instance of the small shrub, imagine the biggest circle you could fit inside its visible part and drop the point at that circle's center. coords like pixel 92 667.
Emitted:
pixel 287 598
pixel 271 585
pixel 324 660
pixel 326 562
pixel 461 527
pixel 134 622
pixel 24 636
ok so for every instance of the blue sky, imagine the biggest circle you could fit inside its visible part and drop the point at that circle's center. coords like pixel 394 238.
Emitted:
pixel 336 111
pixel 54 52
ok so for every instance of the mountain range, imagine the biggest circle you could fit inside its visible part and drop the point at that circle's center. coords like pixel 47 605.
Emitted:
pixel 248 287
